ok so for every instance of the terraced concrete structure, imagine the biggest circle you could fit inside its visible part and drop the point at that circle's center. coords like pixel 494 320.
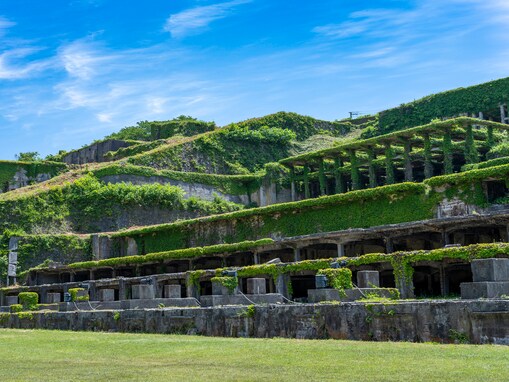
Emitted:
pixel 337 242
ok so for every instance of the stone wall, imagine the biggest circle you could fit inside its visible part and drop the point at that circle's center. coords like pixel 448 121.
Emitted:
pixel 95 152
pixel 444 321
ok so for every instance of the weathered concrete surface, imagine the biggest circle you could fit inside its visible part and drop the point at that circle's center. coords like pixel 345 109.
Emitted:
pixel 95 152
pixel 217 300
pixel 440 321
pixel 331 294
pixel 490 270
pixel 485 289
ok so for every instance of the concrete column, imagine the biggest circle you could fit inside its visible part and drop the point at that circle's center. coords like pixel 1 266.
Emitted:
pixel 389 245
pixel 503 113
pixel 282 285
pixel 445 238
pixel 340 181
pixel 447 150
pixel 122 289
pixel 409 176
pixel 307 193
pixel 296 254
pixel 322 178
pixel 471 154
pixel 356 177
pixel 256 258
pixel 389 164
pixel 191 290
pixel 428 166
pixel 371 168
pixel 294 197
pixel 341 249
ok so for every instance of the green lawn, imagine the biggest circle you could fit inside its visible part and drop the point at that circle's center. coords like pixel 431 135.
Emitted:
pixel 28 355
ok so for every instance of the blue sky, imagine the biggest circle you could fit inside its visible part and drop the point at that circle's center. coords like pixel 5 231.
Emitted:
pixel 74 71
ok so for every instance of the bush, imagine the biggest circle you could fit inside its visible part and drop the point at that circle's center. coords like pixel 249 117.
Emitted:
pixel 74 292
pixel 29 300
pixel 16 308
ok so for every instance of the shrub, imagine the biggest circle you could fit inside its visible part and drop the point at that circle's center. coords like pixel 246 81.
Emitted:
pixel 29 300
pixel 16 308
pixel 74 292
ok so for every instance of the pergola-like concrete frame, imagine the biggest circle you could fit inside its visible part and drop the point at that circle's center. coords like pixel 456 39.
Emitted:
pixel 397 155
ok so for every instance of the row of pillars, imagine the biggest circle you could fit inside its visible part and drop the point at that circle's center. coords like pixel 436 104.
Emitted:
pixel 470 152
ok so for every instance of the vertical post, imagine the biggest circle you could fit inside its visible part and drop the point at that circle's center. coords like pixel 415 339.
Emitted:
pixel 471 154
pixel 292 180
pixel 428 166
pixel 389 164
pixel 306 181
pixel 296 254
pixel 490 141
pixel 409 176
pixel 256 258
pixel 389 245
pixel 371 168
pixel 340 181
pixel 321 177
pixel 447 149
pixel 341 249
pixel 356 179
pixel 502 113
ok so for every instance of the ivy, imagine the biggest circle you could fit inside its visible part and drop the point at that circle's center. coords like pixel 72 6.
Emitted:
pixel 339 279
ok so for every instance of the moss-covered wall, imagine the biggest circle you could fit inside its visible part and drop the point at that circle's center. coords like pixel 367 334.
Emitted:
pixel 32 171
pixel 481 98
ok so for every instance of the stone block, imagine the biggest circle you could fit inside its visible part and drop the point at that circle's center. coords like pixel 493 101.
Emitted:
pixel 485 289
pixel 256 286
pixel 490 270
pixel 53 298
pixel 219 290
pixel 269 298
pixel 142 291
pixel 106 294
pixel 330 294
pixel 368 279
pixel 11 300
pixel 172 291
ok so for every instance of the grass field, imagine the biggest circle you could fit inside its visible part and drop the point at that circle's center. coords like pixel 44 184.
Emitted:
pixel 69 356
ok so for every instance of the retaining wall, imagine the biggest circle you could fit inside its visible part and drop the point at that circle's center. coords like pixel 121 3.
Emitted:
pixel 473 321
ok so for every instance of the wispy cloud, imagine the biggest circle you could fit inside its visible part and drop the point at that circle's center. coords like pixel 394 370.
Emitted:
pixel 194 20
pixel 82 59
pixel 4 25
pixel 13 66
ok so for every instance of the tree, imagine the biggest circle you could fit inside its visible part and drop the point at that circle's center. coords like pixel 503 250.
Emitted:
pixel 30 156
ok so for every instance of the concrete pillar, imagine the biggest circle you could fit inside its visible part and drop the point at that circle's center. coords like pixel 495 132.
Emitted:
pixel 282 282
pixel 341 249
pixel 122 289
pixel 92 291
pixel 106 294
pixel 256 258
pixel 307 193
pixel 389 164
pixel 256 286
pixel 371 168
pixel 340 181
pixel 447 150
pixel 321 177
pixel 481 115
pixel 142 292
pixel 296 254
pixel 389 246
pixel 409 177
pixel 172 291
pixel 445 238
pixel 354 168
pixel 368 279
pixel 158 287
pixel 428 166
pixel 503 113
pixel 294 196
pixel 191 289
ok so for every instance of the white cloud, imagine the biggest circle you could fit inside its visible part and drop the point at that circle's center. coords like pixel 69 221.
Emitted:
pixel 194 19
pixel 12 69
pixel 83 59
pixel 5 24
